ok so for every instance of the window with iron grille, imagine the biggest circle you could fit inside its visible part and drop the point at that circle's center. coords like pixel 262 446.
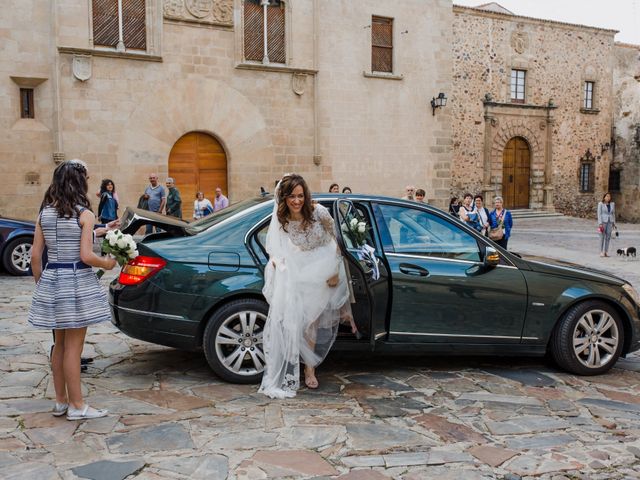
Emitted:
pixel 587 102
pixel 586 176
pixel 26 103
pixel 614 180
pixel 518 79
pixel 381 44
pixel 120 24
pixel 255 12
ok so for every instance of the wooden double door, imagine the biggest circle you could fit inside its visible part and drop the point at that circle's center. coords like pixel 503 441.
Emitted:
pixel 197 162
pixel 516 170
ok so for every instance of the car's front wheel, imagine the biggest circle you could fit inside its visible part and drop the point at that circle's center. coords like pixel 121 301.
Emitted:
pixel 232 340
pixel 16 258
pixel 589 338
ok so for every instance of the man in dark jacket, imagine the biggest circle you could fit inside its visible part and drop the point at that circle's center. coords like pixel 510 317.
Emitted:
pixel 174 202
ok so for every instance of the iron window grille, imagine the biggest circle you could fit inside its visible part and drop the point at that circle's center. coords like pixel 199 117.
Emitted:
pixel 586 177
pixel 26 103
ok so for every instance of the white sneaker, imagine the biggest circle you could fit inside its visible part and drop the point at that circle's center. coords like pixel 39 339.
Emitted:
pixel 85 413
pixel 59 409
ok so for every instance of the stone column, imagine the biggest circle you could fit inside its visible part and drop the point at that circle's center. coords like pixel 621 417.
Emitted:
pixel 487 190
pixel 548 165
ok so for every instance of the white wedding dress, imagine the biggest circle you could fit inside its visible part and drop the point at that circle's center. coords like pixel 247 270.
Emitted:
pixel 304 312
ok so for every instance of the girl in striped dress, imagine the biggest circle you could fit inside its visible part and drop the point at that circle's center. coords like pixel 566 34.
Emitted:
pixel 68 297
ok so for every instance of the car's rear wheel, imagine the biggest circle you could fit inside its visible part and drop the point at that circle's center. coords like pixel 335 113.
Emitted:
pixel 589 338
pixel 16 258
pixel 232 340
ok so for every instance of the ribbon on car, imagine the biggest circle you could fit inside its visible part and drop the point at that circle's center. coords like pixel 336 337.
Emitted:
pixel 367 255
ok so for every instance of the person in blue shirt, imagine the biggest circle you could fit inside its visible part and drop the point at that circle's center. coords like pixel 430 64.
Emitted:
pixel 155 196
pixel 501 222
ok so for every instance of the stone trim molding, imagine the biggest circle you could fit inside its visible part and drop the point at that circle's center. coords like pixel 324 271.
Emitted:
pixel 529 106
pixel 274 67
pixel 386 76
pixel 110 54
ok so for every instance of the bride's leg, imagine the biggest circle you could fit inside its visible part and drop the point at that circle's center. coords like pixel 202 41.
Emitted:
pixel 347 316
pixel 310 379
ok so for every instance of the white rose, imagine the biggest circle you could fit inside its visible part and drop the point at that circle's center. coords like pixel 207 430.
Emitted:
pixel 112 241
pixel 131 245
pixel 361 227
pixel 133 254
pixel 110 234
pixel 122 244
pixel 354 222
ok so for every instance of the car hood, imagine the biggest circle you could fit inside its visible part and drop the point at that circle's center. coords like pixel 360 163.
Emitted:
pixel 560 267
pixel 15 223
pixel 134 218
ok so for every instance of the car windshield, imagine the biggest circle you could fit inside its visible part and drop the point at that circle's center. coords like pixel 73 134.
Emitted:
pixel 217 217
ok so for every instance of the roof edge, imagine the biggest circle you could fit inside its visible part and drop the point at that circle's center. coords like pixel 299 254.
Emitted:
pixel 627 45
pixel 489 13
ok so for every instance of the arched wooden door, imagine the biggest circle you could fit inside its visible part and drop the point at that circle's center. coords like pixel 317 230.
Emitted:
pixel 197 162
pixel 516 167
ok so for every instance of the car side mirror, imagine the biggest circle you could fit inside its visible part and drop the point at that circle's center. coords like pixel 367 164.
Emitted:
pixel 491 257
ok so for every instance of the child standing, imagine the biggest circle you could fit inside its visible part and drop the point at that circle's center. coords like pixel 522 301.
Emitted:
pixel 68 297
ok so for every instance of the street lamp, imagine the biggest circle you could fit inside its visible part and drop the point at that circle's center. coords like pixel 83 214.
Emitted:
pixel 439 101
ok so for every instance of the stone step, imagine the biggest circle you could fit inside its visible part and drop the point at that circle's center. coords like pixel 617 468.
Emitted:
pixel 531 213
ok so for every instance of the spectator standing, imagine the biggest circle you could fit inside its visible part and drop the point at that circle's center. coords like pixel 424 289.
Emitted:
pixel 409 192
pixel 155 196
pixel 483 214
pixel 454 207
pixel 347 190
pixel 606 222
pixel 334 188
pixel 501 222
pixel 201 207
pixel 174 201
pixel 468 212
pixel 108 206
pixel 220 201
pixel 419 197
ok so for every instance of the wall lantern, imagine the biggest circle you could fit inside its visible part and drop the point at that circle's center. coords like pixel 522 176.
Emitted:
pixel 439 101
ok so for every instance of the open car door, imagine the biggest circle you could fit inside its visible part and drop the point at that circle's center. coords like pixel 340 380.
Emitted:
pixel 369 275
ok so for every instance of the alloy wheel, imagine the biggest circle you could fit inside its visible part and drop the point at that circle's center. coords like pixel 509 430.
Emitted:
pixel 238 342
pixel 21 257
pixel 595 338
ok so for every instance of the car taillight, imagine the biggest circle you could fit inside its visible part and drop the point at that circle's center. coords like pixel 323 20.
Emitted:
pixel 139 269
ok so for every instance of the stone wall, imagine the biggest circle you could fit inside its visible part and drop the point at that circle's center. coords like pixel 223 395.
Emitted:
pixel 373 134
pixel 558 59
pixel 626 86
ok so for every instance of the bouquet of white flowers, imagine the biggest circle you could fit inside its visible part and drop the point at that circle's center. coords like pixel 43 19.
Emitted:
pixel 357 231
pixel 120 245
pixel 356 228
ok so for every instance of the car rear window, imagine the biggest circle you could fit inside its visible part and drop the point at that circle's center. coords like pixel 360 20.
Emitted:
pixel 217 217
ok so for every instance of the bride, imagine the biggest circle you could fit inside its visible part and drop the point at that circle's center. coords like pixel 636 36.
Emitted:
pixel 306 287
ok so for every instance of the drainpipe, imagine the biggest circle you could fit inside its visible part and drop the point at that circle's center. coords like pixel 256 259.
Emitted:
pixel 264 4
pixel 58 150
pixel 317 157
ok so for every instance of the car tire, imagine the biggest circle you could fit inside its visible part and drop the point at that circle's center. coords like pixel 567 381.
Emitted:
pixel 588 339
pixel 232 340
pixel 16 258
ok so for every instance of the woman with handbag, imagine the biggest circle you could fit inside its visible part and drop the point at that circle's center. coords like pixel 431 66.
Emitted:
pixel 201 207
pixel 469 213
pixel 500 223
pixel 606 222
pixel 483 214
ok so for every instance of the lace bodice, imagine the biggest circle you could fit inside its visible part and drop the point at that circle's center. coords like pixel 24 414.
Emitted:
pixel 318 234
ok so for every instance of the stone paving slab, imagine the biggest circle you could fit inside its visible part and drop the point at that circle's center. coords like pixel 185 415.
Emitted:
pixel 409 418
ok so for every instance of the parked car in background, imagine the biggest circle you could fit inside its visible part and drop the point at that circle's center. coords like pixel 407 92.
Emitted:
pixel 16 239
pixel 437 287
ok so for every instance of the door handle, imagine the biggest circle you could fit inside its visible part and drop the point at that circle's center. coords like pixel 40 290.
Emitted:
pixel 415 270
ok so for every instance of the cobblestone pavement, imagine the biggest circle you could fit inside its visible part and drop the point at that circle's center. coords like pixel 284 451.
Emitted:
pixel 404 418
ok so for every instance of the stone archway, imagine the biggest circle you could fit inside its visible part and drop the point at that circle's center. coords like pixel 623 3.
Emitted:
pixel 531 131
pixel 174 108
pixel 197 162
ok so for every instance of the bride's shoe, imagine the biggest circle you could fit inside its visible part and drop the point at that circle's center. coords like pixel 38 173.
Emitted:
pixel 310 379
pixel 354 328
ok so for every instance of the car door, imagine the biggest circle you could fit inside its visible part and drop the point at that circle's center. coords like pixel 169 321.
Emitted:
pixel 441 289
pixel 370 285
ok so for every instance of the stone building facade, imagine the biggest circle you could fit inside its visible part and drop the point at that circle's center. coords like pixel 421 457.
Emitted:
pixel 625 169
pixel 521 128
pixel 179 87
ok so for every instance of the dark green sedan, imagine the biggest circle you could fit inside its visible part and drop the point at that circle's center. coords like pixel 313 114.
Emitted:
pixel 434 286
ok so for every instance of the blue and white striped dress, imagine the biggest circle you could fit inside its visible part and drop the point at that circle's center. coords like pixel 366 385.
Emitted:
pixel 66 297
